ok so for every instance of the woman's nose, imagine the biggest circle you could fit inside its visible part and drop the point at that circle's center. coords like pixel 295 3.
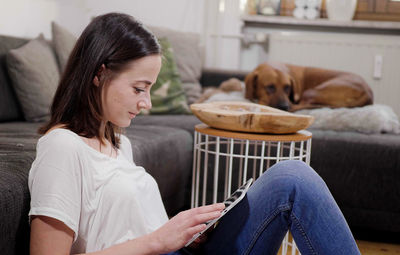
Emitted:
pixel 145 103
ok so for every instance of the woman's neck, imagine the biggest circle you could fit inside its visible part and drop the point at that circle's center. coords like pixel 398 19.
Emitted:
pixel 105 147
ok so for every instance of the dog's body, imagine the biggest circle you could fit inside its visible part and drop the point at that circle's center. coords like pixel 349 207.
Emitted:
pixel 292 88
pixel 231 85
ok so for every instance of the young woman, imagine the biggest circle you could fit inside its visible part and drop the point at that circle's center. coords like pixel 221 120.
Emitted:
pixel 88 196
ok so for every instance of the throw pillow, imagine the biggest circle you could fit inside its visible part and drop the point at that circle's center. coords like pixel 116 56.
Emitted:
pixel 192 91
pixel 188 53
pixel 63 41
pixel 167 96
pixel 10 109
pixel 34 73
pixel 369 119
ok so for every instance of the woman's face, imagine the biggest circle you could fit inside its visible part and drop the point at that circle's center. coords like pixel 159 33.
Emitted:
pixel 129 91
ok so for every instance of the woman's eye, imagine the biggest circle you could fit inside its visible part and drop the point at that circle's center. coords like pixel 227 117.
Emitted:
pixel 138 90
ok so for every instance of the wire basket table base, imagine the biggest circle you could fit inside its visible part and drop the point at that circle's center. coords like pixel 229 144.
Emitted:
pixel 224 160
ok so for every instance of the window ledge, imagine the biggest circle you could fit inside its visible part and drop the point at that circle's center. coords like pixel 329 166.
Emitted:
pixel 285 21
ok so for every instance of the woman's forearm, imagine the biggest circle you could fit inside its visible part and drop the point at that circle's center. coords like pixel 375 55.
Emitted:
pixel 144 245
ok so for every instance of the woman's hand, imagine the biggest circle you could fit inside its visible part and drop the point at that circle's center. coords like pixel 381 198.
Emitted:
pixel 201 239
pixel 180 229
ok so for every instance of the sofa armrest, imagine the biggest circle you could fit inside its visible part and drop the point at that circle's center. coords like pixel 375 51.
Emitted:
pixel 212 77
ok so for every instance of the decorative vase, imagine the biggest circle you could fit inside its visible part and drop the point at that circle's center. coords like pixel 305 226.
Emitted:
pixel 341 10
pixel 309 9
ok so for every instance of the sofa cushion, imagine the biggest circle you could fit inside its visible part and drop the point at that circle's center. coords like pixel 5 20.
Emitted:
pixel 188 53
pixel 186 122
pixel 193 91
pixel 362 172
pixel 167 96
pixel 34 72
pixel 14 200
pixel 63 42
pixel 17 152
pixel 9 106
pixel 19 136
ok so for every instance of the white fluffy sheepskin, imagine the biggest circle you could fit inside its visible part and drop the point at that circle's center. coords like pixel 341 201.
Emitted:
pixel 369 119
pixel 228 96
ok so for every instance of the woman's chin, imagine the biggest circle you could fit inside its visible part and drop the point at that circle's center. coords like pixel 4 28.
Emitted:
pixel 122 124
pixel 127 123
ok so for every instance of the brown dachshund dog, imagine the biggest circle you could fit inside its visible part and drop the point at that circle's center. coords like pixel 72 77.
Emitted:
pixel 292 88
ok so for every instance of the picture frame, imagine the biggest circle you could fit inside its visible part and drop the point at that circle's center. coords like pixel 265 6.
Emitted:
pixel 268 7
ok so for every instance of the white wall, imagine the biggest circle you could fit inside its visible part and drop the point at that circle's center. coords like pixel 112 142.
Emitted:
pixel 210 18
pixel 183 15
pixel 28 18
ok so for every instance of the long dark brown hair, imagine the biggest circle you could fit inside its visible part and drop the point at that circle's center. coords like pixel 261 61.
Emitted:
pixel 112 39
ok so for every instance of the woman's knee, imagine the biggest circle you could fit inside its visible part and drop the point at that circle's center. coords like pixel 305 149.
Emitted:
pixel 285 180
pixel 294 167
pixel 293 171
pixel 293 178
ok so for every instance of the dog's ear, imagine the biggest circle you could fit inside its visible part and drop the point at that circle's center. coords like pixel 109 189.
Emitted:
pixel 295 91
pixel 251 84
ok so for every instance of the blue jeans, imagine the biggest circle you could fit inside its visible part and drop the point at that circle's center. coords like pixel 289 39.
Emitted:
pixel 288 196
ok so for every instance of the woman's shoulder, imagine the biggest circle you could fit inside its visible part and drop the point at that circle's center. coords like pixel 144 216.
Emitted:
pixel 59 138
pixel 58 148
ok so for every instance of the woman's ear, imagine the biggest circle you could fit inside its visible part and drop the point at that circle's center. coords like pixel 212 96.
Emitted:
pixel 251 83
pixel 96 81
pixel 97 77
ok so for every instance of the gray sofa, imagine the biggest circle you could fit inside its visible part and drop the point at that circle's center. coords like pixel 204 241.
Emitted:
pixel 362 171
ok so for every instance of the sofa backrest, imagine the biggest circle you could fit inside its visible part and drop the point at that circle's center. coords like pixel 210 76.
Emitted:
pixel 9 106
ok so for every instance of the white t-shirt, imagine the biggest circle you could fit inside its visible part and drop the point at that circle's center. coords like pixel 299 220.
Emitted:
pixel 104 200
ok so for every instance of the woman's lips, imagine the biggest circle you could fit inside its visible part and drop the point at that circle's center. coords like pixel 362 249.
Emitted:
pixel 132 115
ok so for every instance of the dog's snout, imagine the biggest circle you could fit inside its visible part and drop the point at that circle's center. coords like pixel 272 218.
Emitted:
pixel 283 106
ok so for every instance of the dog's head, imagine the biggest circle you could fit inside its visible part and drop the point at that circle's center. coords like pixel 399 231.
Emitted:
pixel 271 86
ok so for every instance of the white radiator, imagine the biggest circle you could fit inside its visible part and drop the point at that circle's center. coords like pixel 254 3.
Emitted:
pixel 375 57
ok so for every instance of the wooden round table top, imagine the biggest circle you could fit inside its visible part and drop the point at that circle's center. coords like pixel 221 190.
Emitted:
pixel 301 135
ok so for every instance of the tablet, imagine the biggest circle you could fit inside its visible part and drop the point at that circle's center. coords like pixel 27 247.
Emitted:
pixel 230 202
